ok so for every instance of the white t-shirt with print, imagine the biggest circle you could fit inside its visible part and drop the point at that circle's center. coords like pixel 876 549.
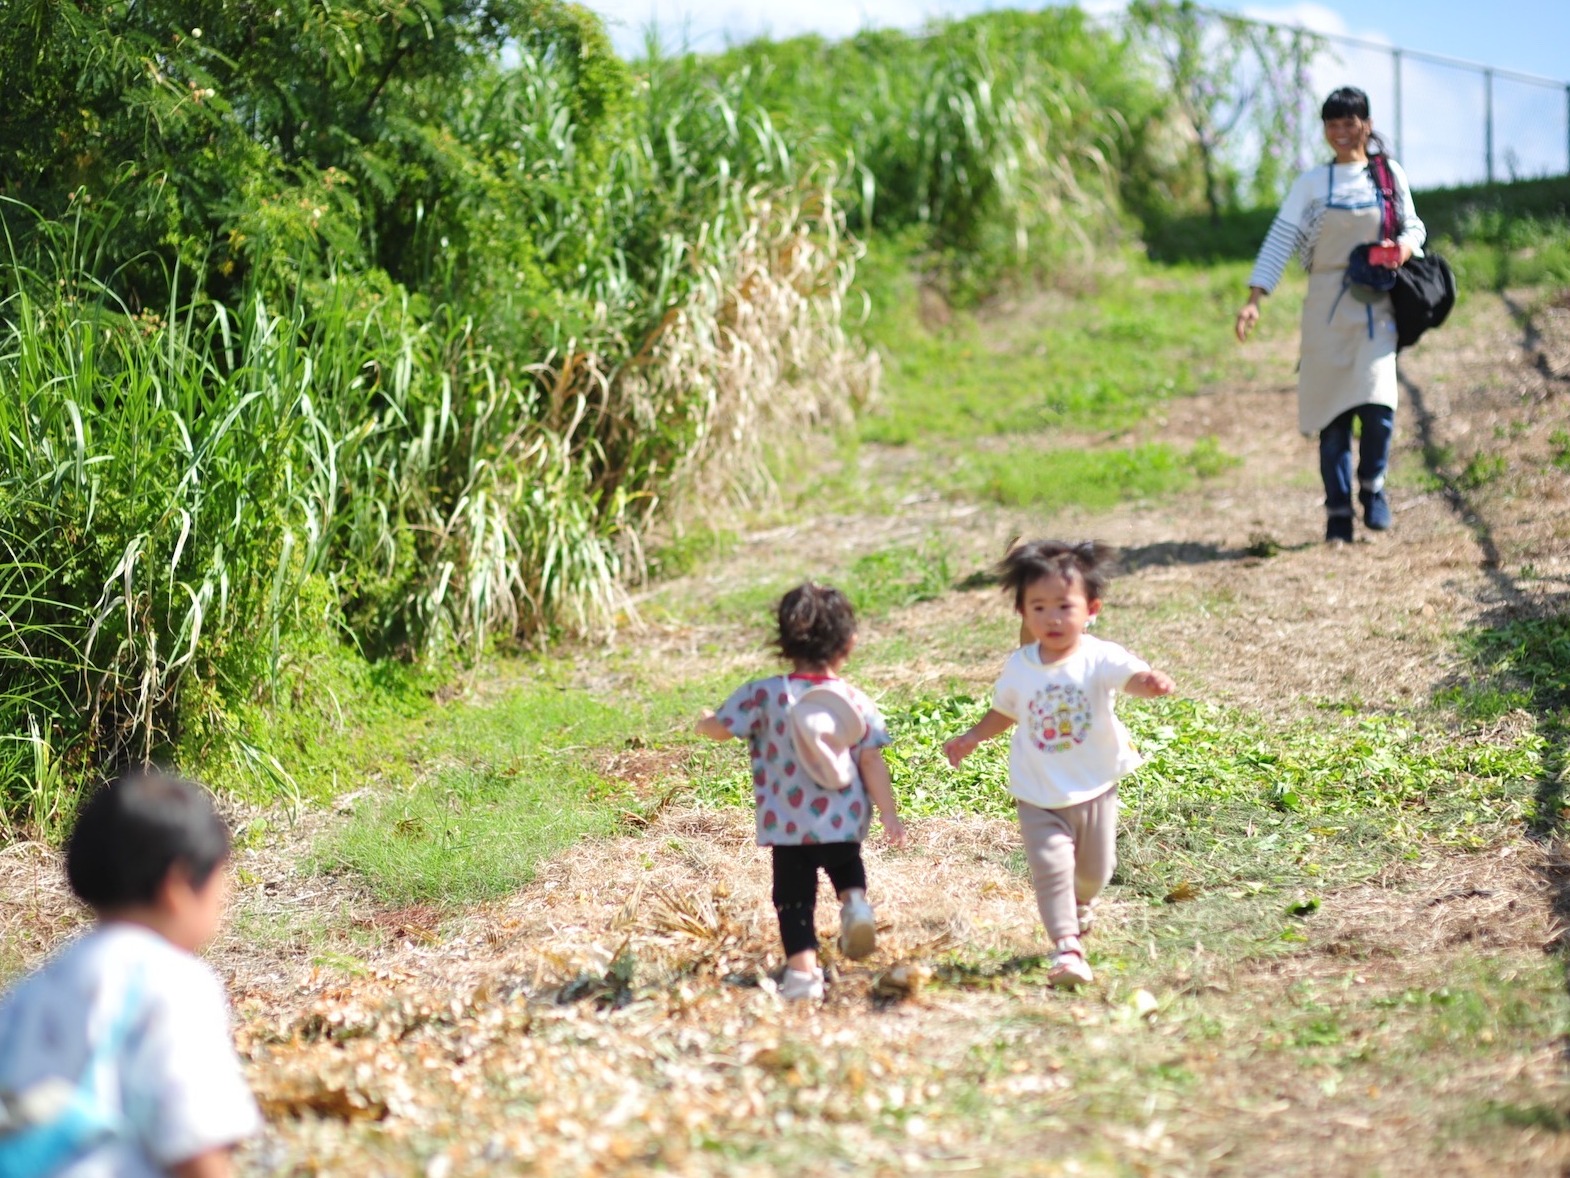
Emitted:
pixel 181 1090
pixel 1068 744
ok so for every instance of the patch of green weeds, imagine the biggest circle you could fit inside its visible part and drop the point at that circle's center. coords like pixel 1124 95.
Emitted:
pixel 1528 1116
pixel 1097 360
pixel 1482 702
pixel 1494 249
pixel 507 788
pixel 1560 441
pixel 1528 658
pixel 895 578
pixel 1229 802
pixel 683 553
pixel 329 721
pixel 1485 1002
pixel 877 583
pixel 1482 469
pixel 1092 479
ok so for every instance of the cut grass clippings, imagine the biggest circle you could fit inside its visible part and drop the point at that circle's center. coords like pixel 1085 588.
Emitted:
pixel 1230 801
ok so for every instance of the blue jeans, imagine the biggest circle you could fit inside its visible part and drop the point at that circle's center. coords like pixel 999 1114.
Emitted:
pixel 1335 455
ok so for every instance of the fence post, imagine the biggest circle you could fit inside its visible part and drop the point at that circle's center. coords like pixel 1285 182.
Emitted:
pixel 1395 62
pixel 1488 123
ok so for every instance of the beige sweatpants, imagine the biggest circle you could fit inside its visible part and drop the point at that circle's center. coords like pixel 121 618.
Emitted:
pixel 1072 852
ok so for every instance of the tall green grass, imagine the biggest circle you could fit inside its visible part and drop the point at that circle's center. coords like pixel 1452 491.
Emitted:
pixel 412 348
pixel 1007 139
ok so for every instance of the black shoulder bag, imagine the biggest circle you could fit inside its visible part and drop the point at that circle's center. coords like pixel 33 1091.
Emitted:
pixel 1425 288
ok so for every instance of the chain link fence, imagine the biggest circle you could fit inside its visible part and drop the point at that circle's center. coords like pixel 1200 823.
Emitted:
pixel 1453 122
pixel 1449 122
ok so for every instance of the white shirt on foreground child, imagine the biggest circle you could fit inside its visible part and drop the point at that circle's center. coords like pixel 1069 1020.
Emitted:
pixel 116 1059
pixel 178 1083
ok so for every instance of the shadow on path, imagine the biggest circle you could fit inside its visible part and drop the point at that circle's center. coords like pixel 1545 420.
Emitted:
pixel 1532 342
pixel 1177 552
pixel 1166 554
pixel 1456 497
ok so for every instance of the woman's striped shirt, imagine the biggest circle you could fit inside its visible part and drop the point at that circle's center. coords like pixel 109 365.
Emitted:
pixel 1296 227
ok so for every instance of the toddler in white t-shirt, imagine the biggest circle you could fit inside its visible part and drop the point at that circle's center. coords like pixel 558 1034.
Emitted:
pixel 115 1056
pixel 1069 748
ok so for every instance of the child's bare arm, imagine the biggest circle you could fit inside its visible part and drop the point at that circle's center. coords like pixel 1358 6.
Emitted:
pixel 880 788
pixel 994 723
pixel 713 727
pixel 1149 684
pixel 215 1163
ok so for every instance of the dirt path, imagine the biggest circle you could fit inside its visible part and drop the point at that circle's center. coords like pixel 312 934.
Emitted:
pixel 610 1017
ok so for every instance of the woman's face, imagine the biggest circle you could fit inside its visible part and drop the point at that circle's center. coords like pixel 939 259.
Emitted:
pixel 1348 137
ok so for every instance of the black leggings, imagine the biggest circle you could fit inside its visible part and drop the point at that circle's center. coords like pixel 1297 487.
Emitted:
pixel 796 887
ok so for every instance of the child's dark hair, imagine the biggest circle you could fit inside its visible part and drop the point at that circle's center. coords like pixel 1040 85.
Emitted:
pixel 1087 562
pixel 817 624
pixel 133 830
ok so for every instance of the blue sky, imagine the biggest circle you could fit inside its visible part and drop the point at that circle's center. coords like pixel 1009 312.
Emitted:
pixel 1443 138
pixel 1532 36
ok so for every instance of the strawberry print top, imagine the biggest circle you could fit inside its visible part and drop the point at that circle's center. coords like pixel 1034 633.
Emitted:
pixel 794 810
pixel 1068 746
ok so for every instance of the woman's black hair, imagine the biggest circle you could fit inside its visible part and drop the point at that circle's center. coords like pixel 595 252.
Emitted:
pixel 817 624
pixel 1348 102
pixel 134 830
pixel 1088 562
pixel 1345 102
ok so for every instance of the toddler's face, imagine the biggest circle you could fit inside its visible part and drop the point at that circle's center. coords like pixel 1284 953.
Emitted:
pixel 197 912
pixel 1056 612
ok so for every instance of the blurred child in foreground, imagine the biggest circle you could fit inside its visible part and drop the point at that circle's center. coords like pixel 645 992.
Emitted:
pixel 116 1059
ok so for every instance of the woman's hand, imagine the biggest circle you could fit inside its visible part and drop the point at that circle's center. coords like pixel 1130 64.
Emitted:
pixel 1406 250
pixel 1248 317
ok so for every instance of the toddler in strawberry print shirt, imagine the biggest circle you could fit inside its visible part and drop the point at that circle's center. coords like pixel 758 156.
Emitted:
pixel 817 772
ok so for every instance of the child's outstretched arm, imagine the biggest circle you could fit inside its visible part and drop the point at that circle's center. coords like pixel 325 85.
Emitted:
pixel 713 727
pixel 1149 684
pixel 994 723
pixel 880 788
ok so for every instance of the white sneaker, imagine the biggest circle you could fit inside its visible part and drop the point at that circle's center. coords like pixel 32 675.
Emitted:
pixel 801 986
pixel 1068 965
pixel 1087 917
pixel 858 928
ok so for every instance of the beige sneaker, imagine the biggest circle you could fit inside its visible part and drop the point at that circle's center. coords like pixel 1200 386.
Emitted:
pixel 1087 917
pixel 1069 968
pixel 858 928
pixel 800 986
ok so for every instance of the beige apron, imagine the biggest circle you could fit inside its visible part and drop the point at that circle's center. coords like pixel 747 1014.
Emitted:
pixel 1349 342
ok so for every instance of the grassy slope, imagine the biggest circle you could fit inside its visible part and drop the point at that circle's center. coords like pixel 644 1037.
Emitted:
pixel 1034 413
pixel 1241 830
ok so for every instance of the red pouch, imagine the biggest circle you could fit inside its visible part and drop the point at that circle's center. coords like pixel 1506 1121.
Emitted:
pixel 1385 255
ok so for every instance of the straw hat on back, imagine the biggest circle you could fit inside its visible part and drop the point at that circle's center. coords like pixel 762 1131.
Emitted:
pixel 825 725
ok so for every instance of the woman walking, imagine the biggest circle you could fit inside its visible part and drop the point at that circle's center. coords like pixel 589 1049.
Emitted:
pixel 1348 369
